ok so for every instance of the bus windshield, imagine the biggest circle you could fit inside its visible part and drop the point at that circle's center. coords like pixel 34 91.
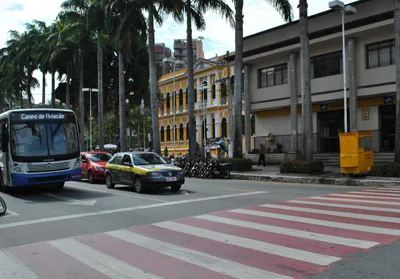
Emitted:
pixel 43 140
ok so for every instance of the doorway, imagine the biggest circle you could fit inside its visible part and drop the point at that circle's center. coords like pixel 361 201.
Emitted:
pixel 387 124
pixel 330 124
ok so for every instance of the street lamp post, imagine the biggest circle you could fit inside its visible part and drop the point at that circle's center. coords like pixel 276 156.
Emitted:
pixel 174 63
pixel 348 10
pixel 90 114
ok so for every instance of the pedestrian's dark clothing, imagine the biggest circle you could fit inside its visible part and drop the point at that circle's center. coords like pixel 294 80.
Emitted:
pixel 262 156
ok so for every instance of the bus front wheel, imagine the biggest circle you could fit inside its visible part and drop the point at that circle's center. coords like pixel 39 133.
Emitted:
pixel 59 185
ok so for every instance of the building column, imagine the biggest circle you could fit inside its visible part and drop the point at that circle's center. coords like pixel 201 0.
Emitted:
pixel 209 125
pixel 247 122
pixel 209 87
pixel 352 77
pixel 217 117
pixel 198 128
pixel 293 105
pixel 198 90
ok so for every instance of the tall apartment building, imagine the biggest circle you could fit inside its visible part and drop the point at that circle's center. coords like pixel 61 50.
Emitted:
pixel 180 46
pixel 162 52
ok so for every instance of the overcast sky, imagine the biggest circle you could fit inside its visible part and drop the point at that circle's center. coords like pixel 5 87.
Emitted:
pixel 218 36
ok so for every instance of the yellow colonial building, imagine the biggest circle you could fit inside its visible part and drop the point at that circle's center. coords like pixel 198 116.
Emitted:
pixel 211 77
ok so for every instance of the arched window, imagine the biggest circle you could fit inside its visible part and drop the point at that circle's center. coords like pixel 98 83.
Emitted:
pixel 224 128
pixel 186 96
pixel 187 131
pixel 174 102
pixel 168 100
pixel 253 125
pixel 168 133
pixel 181 131
pixel 214 95
pixel 162 136
pixel 223 93
pixel 180 100
pixel 176 132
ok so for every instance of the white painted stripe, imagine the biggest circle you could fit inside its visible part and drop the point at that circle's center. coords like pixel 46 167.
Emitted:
pixel 261 246
pixel 12 268
pixel 230 268
pixel 382 191
pixel 396 189
pixel 319 222
pixel 354 200
pixel 99 261
pixel 375 193
pixel 336 213
pixel 394 210
pixel 292 232
pixel 125 209
pixel 364 197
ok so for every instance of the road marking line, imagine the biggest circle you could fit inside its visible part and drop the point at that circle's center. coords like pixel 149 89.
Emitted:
pixel 99 261
pixel 237 190
pixel 364 197
pixel 318 222
pixel 9 213
pixel 126 209
pixel 335 213
pixel 292 232
pixel 394 210
pixel 220 265
pixel 72 201
pixel 355 200
pixel 12 267
pixel 248 243
pixel 116 193
pixel 369 193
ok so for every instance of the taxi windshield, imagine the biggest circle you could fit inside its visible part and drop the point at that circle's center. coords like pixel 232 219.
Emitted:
pixel 147 159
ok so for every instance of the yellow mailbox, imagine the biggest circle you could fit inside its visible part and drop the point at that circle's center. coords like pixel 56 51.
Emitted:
pixel 356 154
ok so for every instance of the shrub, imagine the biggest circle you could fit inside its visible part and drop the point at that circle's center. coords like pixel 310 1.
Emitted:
pixel 300 166
pixel 385 169
pixel 238 164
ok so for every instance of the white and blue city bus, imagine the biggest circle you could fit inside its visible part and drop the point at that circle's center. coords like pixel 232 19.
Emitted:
pixel 39 147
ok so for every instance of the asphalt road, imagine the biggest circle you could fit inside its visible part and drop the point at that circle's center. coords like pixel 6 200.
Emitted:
pixel 44 214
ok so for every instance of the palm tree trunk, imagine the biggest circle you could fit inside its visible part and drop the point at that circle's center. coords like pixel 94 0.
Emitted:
pixel 2 101
pixel 237 97
pixel 397 125
pixel 53 89
pixel 22 99
pixel 43 87
pixel 307 127
pixel 121 95
pixel 100 92
pixel 28 90
pixel 189 50
pixel 81 102
pixel 68 90
pixel 153 84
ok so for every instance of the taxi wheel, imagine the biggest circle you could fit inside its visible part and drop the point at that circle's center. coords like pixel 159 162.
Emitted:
pixel 90 177
pixel 175 188
pixel 109 183
pixel 138 185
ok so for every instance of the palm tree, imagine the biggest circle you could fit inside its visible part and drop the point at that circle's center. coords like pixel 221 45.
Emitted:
pixel 199 6
pixel 307 127
pixel 285 10
pixel 74 15
pixel 126 24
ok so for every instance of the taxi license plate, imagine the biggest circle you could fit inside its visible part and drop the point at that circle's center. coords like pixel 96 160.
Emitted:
pixel 170 179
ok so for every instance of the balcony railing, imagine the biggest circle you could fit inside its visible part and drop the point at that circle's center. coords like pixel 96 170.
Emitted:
pixel 223 100
pixel 168 110
pixel 181 108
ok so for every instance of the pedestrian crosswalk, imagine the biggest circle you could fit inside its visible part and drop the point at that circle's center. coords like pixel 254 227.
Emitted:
pixel 292 239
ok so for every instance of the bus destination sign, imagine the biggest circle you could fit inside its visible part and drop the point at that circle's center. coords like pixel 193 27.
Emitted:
pixel 40 116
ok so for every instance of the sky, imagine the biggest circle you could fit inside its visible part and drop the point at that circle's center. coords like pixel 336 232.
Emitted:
pixel 218 35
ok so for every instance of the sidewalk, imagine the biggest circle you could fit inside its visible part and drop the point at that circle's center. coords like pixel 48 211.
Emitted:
pixel 331 175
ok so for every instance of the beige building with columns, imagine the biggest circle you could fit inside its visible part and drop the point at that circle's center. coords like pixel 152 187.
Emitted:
pixel 272 65
pixel 211 105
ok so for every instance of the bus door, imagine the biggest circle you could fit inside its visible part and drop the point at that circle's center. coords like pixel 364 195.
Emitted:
pixel 4 154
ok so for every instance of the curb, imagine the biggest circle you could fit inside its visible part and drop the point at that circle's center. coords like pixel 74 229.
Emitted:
pixel 317 180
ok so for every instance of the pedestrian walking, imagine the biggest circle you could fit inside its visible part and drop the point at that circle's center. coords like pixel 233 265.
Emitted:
pixel 262 155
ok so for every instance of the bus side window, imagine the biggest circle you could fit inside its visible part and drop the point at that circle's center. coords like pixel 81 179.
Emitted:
pixel 3 138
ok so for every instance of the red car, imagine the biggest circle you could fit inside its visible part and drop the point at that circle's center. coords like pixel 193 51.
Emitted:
pixel 94 165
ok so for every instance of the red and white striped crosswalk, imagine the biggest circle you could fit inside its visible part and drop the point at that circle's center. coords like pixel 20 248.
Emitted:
pixel 292 239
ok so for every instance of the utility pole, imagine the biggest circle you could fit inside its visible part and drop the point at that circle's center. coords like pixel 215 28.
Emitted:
pixel 90 115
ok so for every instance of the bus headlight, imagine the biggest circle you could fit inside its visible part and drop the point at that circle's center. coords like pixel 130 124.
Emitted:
pixel 77 163
pixel 17 169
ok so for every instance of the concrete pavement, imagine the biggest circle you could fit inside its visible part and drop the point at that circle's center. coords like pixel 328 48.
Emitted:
pixel 330 176
pixel 211 229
